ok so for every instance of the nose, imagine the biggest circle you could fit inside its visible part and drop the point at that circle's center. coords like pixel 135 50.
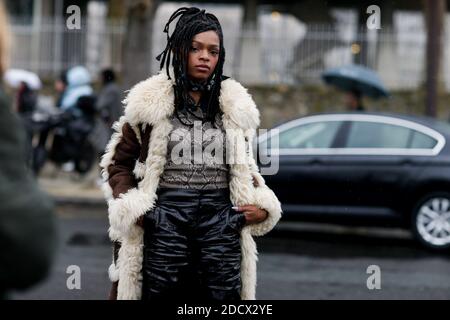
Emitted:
pixel 204 55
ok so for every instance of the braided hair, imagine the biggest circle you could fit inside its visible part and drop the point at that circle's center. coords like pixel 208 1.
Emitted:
pixel 191 22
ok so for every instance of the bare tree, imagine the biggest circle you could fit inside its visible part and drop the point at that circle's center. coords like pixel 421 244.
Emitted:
pixel 435 14
pixel 136 58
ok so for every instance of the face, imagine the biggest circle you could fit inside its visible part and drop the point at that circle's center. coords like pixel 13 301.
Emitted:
pixel 203 55
pixel 350 100
pixel 59 86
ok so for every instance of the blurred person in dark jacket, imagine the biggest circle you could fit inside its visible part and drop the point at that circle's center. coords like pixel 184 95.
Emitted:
pixel 27 227
pixel 26 99
pixel 109 103
pixel 60 87
pixel 109 109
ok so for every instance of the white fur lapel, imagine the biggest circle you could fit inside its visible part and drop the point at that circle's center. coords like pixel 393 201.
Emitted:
pixel 152 100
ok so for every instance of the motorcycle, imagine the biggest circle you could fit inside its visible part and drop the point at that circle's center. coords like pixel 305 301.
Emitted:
pixel 70 134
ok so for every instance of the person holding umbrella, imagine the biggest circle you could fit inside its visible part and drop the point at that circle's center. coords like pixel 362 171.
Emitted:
pixel 356 81
pixel 353 101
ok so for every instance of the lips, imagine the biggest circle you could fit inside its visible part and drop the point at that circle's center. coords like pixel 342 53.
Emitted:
pixel 202 67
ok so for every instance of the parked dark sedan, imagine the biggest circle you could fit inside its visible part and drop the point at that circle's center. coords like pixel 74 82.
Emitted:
pixel 364 168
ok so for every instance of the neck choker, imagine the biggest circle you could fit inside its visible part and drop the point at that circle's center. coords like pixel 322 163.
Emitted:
pixel 200 86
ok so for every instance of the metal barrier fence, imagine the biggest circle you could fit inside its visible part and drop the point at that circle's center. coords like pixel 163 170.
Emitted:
pixel 50 47
pixel 264 56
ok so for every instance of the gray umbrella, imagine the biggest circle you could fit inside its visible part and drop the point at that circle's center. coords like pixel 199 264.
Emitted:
pixel 356 78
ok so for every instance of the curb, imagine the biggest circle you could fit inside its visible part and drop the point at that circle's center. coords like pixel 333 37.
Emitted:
pixel 79 201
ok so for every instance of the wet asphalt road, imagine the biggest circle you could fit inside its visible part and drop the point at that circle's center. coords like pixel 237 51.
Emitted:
pixel 296 261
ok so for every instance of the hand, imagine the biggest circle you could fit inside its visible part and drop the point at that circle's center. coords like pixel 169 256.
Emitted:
pixel 253 214
pixel 140 221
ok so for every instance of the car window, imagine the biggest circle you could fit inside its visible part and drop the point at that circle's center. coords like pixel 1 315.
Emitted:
pixel 365 134
pixel 310 135
pixel 422 141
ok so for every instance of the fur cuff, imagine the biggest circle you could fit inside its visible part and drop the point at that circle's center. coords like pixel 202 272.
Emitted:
pixel 114 235
pixel 266 199
pixel 124 211
pixel 113 273
pixel 139 170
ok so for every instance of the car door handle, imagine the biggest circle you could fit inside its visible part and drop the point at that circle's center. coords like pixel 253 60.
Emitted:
pixel 315 161
pixel 405 162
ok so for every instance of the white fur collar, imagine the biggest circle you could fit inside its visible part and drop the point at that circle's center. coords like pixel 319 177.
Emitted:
pixel 152 100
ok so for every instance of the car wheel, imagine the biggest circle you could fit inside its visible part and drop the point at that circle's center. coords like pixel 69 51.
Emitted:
pixel 431 220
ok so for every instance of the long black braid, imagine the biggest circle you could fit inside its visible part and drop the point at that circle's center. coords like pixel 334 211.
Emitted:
pixel 191 22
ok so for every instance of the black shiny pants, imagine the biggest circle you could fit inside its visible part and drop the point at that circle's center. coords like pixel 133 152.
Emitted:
pixel 192 246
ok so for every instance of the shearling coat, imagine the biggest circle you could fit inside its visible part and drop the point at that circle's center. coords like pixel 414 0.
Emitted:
pixel 148 107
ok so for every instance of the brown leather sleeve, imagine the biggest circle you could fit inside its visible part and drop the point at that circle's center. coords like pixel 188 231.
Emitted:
pixel 113 291
pixel 121 177
pixel 115 284
pixel 145 131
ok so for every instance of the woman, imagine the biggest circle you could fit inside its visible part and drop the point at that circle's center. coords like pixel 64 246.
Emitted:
pixel 185 227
